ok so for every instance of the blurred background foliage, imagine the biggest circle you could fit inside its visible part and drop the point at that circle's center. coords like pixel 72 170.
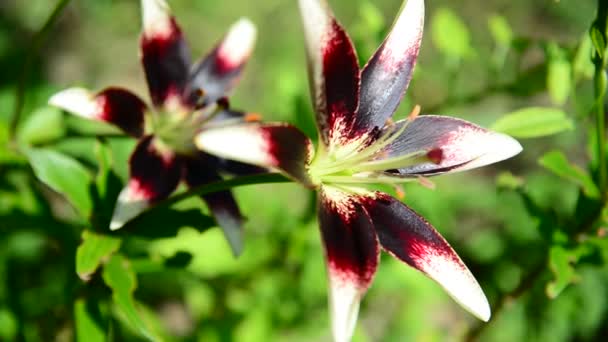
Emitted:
pixel 531 229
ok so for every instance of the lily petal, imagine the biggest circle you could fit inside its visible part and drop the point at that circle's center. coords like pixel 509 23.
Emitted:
pixel 164 54
pixel 333 71
pixel 278 146
pixel 154 175
pixel 387 75
pixel 351 252
pixel 201 170
pixel 451 145
pixel 410 238
pixel 218 72
pixel 113 105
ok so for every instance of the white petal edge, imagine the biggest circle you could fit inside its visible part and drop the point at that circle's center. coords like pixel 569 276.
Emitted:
pixel 129 205
pixel 238 43
pixel 344 299
pixel 493 147
pixel 406 32
pixel 156 18
pixel 78 101
pixel 243 143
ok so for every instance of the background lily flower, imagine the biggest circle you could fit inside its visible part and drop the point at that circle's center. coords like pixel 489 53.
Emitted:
pixel 358 145
pixel 185 99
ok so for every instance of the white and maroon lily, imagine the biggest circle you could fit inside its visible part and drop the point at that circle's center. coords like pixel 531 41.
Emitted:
pixel 359 144
pixel 186 98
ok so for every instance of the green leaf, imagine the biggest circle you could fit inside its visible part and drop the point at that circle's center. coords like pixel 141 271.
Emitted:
pixel 42 126
pixel 64 175
pixel 557 163
pixel 94 249
pixel 119 276
pixel 451 35
pixel 88 319
pixel 561 263
pixel 500 30
pixel 533 122
pixel 598 40
pixel 559 80
pixel 582 66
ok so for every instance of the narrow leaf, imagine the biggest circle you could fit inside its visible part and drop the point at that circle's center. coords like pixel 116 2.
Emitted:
pixel 561 263
pixel 533 122
pixel 94 249
pixel 42 126
pixel 119 276
pixel 64 175
pixel 88 320
pixel 559 80
pixel 500 30
pixel 557 163
pixel 451 35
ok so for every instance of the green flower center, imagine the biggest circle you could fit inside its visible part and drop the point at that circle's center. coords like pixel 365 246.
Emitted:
pixel 359 162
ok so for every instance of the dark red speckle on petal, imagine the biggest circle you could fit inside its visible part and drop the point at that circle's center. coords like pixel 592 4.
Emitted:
pixel 435 155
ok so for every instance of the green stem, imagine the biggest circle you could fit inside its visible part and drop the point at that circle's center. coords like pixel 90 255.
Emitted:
pixel 263 178
pixel 599 61
pixel 37 41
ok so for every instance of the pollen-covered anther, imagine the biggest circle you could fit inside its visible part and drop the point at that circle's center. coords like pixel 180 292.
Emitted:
pixel 414 113
pixel 399 192
pixel 253 117
pixel 427 183
pixel 435 155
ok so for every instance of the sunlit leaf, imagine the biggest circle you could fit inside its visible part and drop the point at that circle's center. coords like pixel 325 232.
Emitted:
pixel 500 30
pixel 598 40
pixel 64 175
pixel 42 126
pixel 119 276
pixel 88 320
pixel 559 80
pixel 561 263
pixel 582 66
pixel 94 249
pixel 450 34
pixel 533 122
pixel 557 163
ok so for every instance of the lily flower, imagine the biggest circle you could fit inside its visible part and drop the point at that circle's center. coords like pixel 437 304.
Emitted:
pixel 185 99
pixel 359 145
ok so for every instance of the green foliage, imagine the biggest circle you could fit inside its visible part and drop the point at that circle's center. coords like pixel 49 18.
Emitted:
pixel 451 35
pixel 533 122
pixel 63 174
pixel 94 249
pixel 556 162
pixel 119 276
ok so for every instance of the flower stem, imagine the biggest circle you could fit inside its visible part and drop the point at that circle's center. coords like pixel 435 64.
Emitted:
pixel 37 41
pixel 222 185
pixel 598 33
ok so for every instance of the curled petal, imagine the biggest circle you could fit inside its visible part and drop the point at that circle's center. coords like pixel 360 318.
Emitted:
pixel 164 54
pixel 333 71
pixel 200 170
pixel 411 239
pixel 450 145
pixel 278 146
pixel 154 174
pixel 113 105
pixel 351 252
pixel 217 73
pixel 387 75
